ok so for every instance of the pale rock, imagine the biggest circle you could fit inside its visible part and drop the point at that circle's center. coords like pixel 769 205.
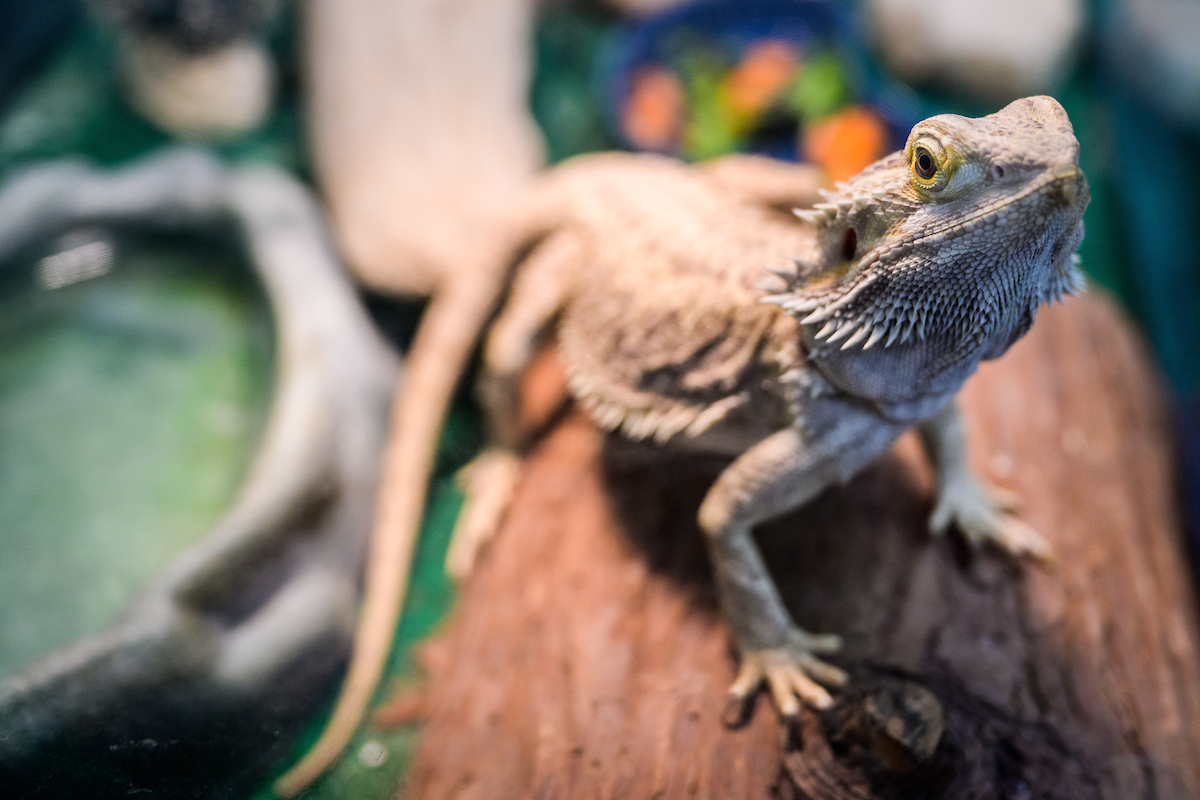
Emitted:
pixel 985 49
pixel 221 92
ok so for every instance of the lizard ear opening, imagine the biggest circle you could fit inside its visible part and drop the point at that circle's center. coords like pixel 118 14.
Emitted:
pixel 849 244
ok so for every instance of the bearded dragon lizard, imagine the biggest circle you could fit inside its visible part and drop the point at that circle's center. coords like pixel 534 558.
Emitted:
pixel 886 296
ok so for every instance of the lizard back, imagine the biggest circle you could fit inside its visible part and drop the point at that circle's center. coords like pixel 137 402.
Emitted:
pixel 665 334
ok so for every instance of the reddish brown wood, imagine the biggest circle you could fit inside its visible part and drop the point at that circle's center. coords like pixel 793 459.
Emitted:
pixel 587 659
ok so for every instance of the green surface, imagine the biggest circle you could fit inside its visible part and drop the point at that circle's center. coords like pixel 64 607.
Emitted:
pixel 429 599
pixel 130 406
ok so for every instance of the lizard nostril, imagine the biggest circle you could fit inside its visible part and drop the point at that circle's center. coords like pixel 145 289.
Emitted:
pixel 849 244
pixel 997 172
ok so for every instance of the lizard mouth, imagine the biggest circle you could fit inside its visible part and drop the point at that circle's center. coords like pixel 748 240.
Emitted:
pixel 1069 181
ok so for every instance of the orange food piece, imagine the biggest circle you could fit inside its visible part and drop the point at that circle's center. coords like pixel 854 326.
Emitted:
pixel 653 116
pixel 846 142
pixel 766 69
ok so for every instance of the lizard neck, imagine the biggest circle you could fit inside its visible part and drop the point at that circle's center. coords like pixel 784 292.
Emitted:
pixel 912 381
pixel 809 384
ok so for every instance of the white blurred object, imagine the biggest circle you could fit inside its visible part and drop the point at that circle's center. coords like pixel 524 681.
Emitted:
pixel 372 754
pixel 421 134
pixel 220 92
pixel 195 68
pixel 984 48
pixel 643 8
pixel 79 256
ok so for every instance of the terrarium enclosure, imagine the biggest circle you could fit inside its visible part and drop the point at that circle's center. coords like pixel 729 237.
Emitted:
pixel 246 244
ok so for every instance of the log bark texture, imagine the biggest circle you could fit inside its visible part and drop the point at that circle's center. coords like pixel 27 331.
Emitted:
pixel 587 657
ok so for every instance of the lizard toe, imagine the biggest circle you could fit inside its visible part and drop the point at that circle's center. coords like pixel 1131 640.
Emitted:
pixel 792 674
pixel 488 482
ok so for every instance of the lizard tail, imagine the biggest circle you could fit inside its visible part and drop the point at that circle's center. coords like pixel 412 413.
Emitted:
pixel 443 344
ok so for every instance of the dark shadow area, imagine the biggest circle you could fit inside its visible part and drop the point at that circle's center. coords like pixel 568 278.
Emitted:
pixel 847 564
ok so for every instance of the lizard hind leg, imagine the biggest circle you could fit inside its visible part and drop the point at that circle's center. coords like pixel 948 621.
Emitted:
pixel 538 291
pixel 488 483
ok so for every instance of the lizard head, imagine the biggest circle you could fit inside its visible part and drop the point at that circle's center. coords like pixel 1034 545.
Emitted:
pixel 937 256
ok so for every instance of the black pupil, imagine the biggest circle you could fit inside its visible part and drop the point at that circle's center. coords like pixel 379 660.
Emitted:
pixel 924 164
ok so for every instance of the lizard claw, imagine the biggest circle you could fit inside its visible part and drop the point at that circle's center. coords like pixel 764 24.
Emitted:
pixel 1004 499
pixel 1016 537
pixel 791 673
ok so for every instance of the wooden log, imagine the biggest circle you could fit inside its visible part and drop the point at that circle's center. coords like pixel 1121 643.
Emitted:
pixel 587 657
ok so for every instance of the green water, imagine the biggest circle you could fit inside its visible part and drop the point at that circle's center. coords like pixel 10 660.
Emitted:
pixel 130 406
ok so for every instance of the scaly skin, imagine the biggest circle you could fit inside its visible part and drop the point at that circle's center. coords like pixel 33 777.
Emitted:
pixel 650 275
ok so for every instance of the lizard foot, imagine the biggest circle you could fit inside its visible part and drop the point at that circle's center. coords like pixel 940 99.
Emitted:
pixel 790 671
pixel 984 515
pixel 488 482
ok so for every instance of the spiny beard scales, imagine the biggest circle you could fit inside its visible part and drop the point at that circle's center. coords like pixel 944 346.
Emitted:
pixel 895 303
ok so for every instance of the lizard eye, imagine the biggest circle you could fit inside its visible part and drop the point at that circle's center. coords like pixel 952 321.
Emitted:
pixel 924 164
pixel 932 165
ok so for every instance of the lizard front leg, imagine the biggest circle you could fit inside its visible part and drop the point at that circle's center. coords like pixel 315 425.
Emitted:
pixel 778 474
pixel 979 512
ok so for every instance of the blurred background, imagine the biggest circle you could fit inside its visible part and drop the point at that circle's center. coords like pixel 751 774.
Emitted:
pixel 136 374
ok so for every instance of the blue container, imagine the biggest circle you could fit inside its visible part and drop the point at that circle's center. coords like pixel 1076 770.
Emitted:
pixel 732 26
